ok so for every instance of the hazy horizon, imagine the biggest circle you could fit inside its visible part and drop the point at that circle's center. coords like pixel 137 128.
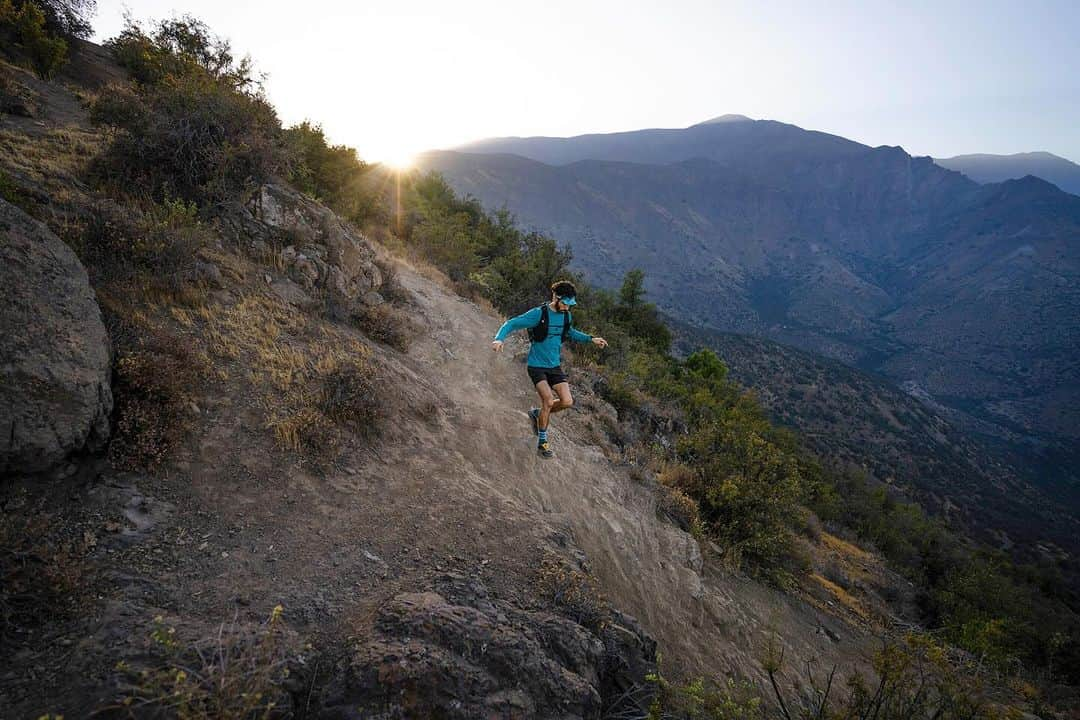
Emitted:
pixel 968 78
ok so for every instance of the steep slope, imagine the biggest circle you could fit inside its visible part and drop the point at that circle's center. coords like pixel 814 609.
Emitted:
pixel 393 554
pixel 851 418
pixel 453 485
pixel 984 168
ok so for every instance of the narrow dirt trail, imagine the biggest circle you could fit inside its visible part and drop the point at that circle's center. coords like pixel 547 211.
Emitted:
pixel 705 620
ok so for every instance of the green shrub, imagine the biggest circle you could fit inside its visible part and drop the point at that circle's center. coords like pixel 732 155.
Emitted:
pixel 189 138
pixel 194 128
pixel 27 22
pixel 333 174
pixel 236 673
pixel 62 18
pixel 180 47
pixel 482 253
pixel 702 699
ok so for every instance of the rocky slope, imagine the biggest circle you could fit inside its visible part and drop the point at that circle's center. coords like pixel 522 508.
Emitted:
pixel 420 569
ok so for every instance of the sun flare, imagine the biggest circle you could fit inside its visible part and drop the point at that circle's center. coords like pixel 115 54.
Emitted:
pixel 399 160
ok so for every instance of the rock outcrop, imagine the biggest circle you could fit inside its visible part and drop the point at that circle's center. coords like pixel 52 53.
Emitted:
pixel 458 653
pixel 55 396
pixel 322 256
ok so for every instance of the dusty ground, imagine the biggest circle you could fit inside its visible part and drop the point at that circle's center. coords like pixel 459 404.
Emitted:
pixel 234 526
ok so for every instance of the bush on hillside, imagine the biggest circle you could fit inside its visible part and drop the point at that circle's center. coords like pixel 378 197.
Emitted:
pixel 386 324
pixel 62 18
pixel 194 128
pixel 189 138
pixel 181 47
pixel 483 254
pixel 333 174
pixel 153 391
pixel 27 25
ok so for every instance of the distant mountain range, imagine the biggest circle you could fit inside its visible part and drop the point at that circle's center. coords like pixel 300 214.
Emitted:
pixel 969 293
pixel 996 168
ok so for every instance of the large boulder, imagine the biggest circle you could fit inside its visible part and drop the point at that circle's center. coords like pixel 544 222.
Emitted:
pixel 55 396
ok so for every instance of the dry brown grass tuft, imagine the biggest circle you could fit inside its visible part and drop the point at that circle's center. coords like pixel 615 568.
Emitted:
pixel 680 508
pixel 575 593
pixel 237 673
pixel 386 324
pixel 154 387
pixel 312 379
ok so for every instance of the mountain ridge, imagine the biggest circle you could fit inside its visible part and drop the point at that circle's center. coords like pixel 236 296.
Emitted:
pixel 991 168
pixel 885 261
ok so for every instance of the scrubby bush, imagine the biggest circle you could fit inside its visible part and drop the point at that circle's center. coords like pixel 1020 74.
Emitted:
pixel 27 24
pixel 702 699
pixel 180 47
pixel 350 398
pixel 679 507
pixel 333 174
pixel 386 324
pixel 574 592
pixel 196 128
pixel 191 138
pixel 484 254
pixel 153 391
pixel 236 673
pixel 62 18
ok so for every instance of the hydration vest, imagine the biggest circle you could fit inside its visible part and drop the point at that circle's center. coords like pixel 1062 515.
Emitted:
pixel 539 332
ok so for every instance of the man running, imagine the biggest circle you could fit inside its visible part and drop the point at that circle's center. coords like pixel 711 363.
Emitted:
pixel 549 326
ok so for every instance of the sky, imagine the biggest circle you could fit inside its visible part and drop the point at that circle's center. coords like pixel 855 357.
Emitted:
pixel 397 77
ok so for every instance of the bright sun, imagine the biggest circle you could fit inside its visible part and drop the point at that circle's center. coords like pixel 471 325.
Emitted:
pixel 399 160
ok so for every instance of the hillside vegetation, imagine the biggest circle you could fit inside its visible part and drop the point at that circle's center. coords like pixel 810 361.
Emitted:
pixel 319 498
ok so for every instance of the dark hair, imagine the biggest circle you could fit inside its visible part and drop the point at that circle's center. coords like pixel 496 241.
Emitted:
pixel 564 288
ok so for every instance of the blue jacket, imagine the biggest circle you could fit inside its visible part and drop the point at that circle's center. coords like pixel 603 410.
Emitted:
pixel 544 354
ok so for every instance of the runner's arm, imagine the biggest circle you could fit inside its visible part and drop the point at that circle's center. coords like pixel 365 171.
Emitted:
pixel 521 322
pixel 578 336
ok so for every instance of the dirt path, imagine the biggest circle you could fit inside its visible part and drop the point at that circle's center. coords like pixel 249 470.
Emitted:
pixel 233 527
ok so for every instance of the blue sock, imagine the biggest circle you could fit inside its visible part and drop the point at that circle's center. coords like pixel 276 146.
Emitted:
pixel 543 435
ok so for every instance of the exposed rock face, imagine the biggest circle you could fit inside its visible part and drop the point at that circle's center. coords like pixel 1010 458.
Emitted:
pixel 55 396
pixel 320 253
pixel 457 653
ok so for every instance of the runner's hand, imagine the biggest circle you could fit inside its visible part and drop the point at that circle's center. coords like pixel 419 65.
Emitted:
pixel 599 342
pixel 497 346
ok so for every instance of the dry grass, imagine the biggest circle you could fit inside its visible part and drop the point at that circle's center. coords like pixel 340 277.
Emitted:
pixel 843 547
pixel 311 378
pixel 842 596
pixel 680 508
pixel 575 593
pixel 386 324
pixel 154 387
pixel 53 160
pixel 236 673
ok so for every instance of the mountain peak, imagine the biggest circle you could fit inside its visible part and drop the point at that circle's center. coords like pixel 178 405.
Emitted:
pixel 729 118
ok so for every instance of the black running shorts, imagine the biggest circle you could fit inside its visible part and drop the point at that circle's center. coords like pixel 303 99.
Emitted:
pixel 554 375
